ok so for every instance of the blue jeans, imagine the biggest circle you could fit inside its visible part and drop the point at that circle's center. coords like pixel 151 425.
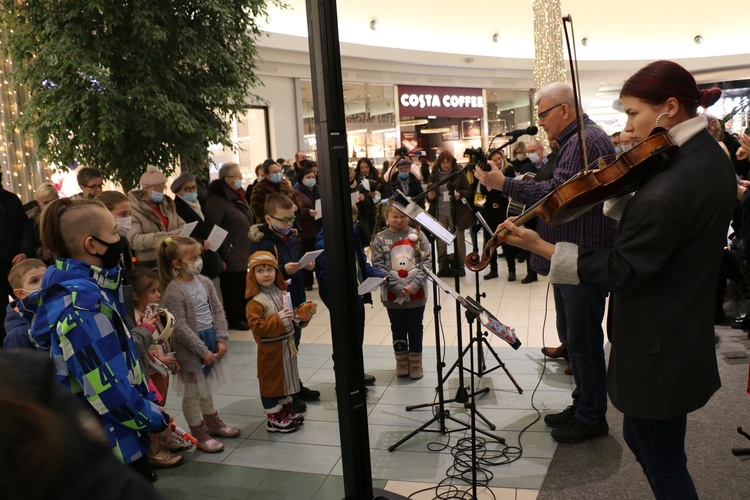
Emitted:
pixel 659 446
pixel 580 311
pixel 406 328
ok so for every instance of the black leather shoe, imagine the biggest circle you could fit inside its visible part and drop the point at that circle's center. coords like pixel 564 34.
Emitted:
pixel 490 275
pixel 530 278
pixel 369 379
pixel 576 431
pixel 511 276
pixel 555 420
pixel 306 394
pixel 241 326
pixel 742 323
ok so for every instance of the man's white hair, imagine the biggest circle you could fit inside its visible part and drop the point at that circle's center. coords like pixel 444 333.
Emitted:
pixel 557 93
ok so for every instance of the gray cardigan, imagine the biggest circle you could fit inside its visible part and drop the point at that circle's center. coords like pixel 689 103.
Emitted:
pixel 188 347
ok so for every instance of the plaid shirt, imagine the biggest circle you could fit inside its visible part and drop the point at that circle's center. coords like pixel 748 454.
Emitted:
pixel 591 230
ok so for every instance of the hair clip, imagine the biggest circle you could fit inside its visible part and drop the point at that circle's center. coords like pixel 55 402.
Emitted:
pixel 167 240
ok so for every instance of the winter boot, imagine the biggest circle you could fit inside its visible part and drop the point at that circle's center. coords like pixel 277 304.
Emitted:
pixel 415 365
pixel 278 422
pixel 206 443
pixel 402 363
pixel 216 427
pixel 171 442
pixel 161 458
pixel 292 415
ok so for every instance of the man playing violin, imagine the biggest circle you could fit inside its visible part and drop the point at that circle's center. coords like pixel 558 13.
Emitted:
pixel 663 362
pixel 580 308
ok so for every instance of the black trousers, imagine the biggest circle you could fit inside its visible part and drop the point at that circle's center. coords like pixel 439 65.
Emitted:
pixel 233 292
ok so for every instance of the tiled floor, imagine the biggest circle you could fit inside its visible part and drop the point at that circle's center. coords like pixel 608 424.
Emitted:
pixel 307 464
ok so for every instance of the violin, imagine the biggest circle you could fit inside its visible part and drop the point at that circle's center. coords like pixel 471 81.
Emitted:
pixel 588 188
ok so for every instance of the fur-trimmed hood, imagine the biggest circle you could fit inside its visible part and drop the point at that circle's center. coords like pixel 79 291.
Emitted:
pixel 143 206
pixel 259 231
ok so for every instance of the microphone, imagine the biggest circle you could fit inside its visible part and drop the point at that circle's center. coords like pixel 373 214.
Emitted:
pixel 518 133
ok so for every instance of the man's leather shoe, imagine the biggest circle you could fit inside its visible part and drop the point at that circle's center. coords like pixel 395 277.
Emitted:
pixel 568 370
pixel 576 431
pixel 490 275
pixel 369 379
pixel 530 278
pixel 556 352
pixel 511 276
pixel 742 324
pixel 556 420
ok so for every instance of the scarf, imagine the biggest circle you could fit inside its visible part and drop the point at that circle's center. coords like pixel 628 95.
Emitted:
pixel 195 206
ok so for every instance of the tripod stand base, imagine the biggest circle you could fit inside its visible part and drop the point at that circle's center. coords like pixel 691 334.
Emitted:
pixel 462 396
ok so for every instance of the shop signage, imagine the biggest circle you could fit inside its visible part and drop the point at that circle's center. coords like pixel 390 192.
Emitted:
pixel 443 102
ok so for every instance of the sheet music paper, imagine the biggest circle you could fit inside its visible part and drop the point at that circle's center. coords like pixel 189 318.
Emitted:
pixel 216 238
pixel 309 257
pixel 189 228
pixel 366 184
pixel 355 197
pixel 369 285
pixel 318 209
pixel 429 223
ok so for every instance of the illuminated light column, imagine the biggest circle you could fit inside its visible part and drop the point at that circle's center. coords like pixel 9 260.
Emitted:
pixel 549 65
pixel 22 173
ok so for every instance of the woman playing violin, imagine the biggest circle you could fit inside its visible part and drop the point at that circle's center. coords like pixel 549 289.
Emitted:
pixel 663 363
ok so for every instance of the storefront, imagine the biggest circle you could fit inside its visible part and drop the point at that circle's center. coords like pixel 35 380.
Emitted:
pixel 381 118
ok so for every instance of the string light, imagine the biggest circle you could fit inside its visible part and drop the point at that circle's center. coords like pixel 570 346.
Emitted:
pixel 549 66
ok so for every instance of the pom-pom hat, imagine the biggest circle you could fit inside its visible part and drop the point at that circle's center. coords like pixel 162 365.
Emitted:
pixel 152 177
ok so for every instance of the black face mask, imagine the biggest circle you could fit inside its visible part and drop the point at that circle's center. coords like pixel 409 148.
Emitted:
pixel 112 257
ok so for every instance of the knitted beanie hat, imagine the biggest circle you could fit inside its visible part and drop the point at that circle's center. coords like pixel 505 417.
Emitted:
pixel 152 178
pixel 257 259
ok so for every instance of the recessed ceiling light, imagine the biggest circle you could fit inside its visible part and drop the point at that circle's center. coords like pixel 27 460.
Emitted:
pixel 496 37
pixel 698 39
pixel 373 25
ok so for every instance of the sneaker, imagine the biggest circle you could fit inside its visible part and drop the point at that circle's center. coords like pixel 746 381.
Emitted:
pixel 559 419
pixel 306 394
pixel 277 422
pixel 298 405
pixel 576 431
pixel 292 415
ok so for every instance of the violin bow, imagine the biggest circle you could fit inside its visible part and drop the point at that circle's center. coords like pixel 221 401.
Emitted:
pixel 573 58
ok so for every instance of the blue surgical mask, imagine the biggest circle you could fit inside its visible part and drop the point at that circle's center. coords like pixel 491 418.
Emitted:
pixel 156 196
pixel 281 230
pixel 403 175
pixel 376 199
pixel 191 197
pixel 237 184
pixel 618 150
pixel 276 178
pixel 310 183
pixel 626 148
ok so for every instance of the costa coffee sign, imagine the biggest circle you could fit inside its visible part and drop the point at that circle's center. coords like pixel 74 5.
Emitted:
pixel 444 102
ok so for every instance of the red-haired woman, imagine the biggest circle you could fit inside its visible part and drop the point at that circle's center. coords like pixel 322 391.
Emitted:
pixel 663 363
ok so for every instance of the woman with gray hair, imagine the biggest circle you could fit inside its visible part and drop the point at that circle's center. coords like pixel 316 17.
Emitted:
pixel 154 217
pixel 227 207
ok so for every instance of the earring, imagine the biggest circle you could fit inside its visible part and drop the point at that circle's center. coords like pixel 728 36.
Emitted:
pixel 656 124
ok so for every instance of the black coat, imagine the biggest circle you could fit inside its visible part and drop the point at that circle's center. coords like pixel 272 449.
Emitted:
pixel 662 272
pixel 226 210
pixel 211 260
pixel 16 231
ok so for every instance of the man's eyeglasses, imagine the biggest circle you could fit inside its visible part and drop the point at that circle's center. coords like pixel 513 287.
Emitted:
pixel 285 220
pixel 95 186
pixel 544 113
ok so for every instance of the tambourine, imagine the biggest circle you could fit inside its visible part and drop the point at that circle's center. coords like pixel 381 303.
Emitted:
pixel 307 309
pixel 164 326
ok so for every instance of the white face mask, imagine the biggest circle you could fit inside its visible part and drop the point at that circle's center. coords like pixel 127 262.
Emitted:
pixel 310 183
pixel 123 225
pixel 534 157
pixel 520 157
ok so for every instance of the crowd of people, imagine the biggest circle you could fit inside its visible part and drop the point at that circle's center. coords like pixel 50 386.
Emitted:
pixel 122 297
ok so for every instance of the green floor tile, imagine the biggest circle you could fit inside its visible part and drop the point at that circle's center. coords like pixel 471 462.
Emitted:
pixel 333 488
pixel 227 481
pixel 281 485
pixel 185 478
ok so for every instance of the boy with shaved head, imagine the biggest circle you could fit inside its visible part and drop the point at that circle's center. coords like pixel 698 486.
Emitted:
pixel 79 317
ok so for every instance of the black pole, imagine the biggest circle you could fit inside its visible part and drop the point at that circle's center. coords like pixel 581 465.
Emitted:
pixel 330 133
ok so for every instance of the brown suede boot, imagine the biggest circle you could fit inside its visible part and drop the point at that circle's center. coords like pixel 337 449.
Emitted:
pixel 217 427
pixel 415 365
pixel 206 443
pixel 402 363
pixel 161 458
